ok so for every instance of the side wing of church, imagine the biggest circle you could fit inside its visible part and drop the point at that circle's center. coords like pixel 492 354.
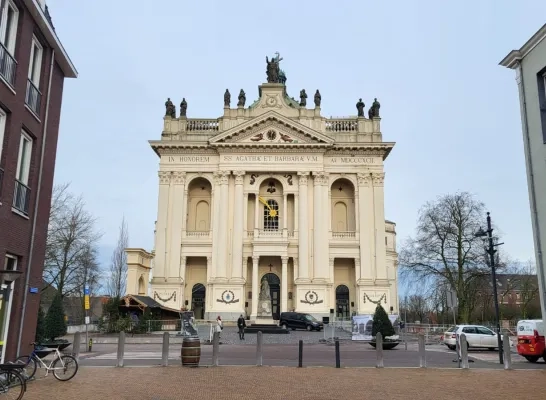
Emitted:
pixel 270 192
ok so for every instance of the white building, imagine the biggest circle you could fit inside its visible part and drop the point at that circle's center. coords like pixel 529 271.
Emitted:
pixel 530 65
pixel 271 191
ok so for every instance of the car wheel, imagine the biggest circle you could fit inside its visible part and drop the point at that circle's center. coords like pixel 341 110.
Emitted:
pixel 309 328
pixel 532 359
pixel 284 326
pixel 450 347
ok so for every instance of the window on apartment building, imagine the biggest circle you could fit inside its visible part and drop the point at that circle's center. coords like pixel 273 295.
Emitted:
pixel 3 118
pixel 10 262
pixel 34 97
pixel 21 198
pixel 9 16
pixel 8 30
pixel 541 79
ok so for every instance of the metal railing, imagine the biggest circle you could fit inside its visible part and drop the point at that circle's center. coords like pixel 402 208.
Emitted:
pixel 33 98
pixel 8 65
pixel 21 197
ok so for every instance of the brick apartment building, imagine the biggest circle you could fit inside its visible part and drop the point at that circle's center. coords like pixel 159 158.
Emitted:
pixel 33 66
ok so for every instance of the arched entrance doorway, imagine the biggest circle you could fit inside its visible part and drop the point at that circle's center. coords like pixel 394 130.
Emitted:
pixel 198 300
pixel 342 302
pixel 275 291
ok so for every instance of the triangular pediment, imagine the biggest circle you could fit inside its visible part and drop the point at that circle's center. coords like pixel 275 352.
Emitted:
pixel 271 129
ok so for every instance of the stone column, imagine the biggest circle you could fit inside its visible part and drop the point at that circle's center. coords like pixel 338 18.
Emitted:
pixel 303 229
pixel 326 225
pixel 216 201
pixel 238 218
pixel 185 207
pixel 357 270
pixel 257 215
pixel 284 284
pixel 296 212
pixel 255 286
pixel 365 214
pixel 177 218
pixel 285 212
pixel 221 262
pixel 209 299
pixel 379 214
pixel 160 259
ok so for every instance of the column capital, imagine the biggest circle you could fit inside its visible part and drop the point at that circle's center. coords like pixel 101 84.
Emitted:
pixel 183 259
pixel 164 177
pixel 179 177
pixel 302 178
pixel 320 178
pixel 363 179
pixel 239 176
pixel 284 260
pixel 378 178
pixel 255 260
pixel 221 177
pixel 209 259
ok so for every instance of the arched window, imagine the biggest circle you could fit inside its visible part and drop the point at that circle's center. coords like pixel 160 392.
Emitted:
pixel 271 216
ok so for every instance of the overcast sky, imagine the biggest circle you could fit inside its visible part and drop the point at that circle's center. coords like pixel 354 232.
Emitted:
pixel 451 109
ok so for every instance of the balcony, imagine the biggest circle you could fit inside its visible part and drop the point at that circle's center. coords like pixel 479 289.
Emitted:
pixel 347 235
pixel 21 197
pixel 8 66
pixel 33 98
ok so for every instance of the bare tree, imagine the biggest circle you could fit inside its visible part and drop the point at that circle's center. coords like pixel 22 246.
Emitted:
pixel 118 268
pixel 445 247
pixel 71 233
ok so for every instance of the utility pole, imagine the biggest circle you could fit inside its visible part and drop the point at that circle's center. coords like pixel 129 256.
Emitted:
pixel 491 251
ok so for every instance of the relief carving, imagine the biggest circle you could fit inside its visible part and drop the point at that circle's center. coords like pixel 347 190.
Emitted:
pixel 364 179
pixel 302 177
pixel 179 177
pixel 378 178
pixel 164 177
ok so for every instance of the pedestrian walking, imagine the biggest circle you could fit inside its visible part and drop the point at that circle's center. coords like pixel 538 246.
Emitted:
pixel 241 324
pixel 219 326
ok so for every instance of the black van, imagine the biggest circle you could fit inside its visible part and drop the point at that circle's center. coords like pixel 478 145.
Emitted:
pixel 295 320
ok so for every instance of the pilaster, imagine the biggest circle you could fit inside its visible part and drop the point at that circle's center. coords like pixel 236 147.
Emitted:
pixel 160 260
pixel 320 231
pixel 366 218
pixel 216 202
pixel 177 216
pixel 221 261
pixel 303 229
pixel 379 214
pixel 237 251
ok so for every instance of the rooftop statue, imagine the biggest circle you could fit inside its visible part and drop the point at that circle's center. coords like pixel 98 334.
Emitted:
pixel 303 98
pixel 373 112
pixel 274 73
pixel 227 98
pixel 360 107
pixel 242 99
pixel 170 110
pixel 183 107
pixel 318 98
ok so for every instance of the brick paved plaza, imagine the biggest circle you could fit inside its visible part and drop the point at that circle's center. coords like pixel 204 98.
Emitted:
pixel 241 383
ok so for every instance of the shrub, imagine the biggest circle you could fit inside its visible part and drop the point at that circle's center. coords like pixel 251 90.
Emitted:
pixel 55 324
pixel 382 323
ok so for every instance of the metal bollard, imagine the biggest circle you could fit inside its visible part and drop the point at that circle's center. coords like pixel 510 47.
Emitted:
pixel 165 350
pixel 259 349
pixel 121 348
pixel 76 345
pixel 300 355
pixel 464 352
pixel 90 344
pixel 215 348
pixel 422 352
pixel 507 351
pixel 338 361
pixel 379 350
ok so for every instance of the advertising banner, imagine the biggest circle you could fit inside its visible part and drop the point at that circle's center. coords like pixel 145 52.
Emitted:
pixel 188 327
pixel 362 326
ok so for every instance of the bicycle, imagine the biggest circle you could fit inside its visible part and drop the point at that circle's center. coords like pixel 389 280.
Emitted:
pixel 12 381
pixel 35 359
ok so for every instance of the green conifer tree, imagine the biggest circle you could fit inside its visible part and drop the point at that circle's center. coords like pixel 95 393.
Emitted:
pixel 55 324
pixel 382 323
pixel 40 326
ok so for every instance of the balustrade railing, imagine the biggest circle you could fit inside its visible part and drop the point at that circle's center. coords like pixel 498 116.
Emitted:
pixel 344 235
pixel 268 233
pixel 202 125
pixel 21 197
pixel 33 97
pixel 8 65
pixel 341 125
pixel 198 234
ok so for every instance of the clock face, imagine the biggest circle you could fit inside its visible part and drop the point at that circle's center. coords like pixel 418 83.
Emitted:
pixel 271 135
pixel 271 101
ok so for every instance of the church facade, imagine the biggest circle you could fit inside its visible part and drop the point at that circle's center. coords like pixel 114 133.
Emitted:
pixel 272 191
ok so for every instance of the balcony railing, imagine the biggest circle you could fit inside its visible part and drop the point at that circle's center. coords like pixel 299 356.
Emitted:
pixel 341 125
pixel 198 234
pixel 33 98
pixel 7 65
pixel 270 233
pixel 344 235
pixel 202 125
pixel 21 197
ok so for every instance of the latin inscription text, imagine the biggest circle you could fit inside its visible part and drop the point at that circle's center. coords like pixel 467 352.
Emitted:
pixel 270 159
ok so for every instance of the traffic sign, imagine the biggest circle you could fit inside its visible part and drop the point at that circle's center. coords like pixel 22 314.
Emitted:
pixel 86 290
pixel 86 302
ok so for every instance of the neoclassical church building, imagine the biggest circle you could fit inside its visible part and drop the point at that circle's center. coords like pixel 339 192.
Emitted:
pixel 272 190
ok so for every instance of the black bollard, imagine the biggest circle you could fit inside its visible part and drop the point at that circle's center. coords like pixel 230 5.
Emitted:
pixel 338 362
pixel 300 356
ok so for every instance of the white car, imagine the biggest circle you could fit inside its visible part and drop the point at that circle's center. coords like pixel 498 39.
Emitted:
pixel 477 336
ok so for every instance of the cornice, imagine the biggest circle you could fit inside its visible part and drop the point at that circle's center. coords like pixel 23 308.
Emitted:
pixel 512 58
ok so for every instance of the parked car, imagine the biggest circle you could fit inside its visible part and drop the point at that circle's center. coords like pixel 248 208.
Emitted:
pixel 531 340
pixel 295 320
pixel 477 336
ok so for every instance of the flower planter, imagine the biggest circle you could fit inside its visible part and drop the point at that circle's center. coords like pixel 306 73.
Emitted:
pixel 387 345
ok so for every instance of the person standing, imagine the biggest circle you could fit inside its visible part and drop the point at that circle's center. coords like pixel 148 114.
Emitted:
pixel 242 325
pixel 219 326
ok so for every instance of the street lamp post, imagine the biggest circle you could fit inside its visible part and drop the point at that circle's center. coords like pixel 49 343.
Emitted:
pixel 491 251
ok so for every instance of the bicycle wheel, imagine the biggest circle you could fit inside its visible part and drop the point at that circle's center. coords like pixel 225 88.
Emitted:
pixel 12 385
pixel 30 366
pixel 65 368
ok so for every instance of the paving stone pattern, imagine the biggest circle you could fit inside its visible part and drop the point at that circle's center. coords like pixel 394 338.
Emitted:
pixel 272 383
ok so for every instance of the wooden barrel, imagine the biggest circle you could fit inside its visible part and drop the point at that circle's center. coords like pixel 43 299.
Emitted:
pixel 191 352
